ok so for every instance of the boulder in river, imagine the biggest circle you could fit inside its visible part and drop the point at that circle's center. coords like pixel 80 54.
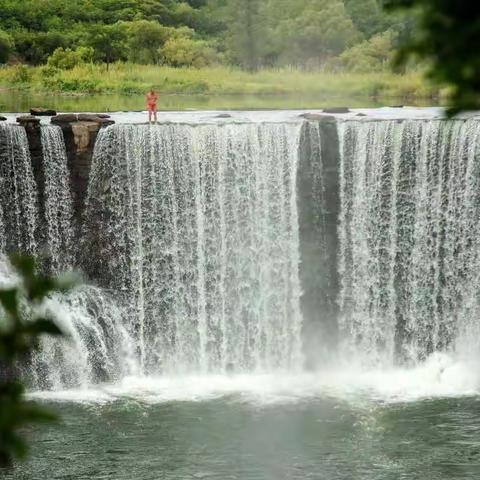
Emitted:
pixel 42 112
pixel 336 110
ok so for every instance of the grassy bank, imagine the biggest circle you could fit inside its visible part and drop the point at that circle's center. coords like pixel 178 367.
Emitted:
pixel 129 79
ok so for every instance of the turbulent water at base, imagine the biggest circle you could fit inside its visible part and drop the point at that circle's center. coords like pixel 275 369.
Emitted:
pixel 18 192
pixel 409 230
pixel 58 204
pixel 200 231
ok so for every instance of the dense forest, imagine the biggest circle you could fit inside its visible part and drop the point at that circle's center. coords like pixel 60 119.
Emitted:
pixel 336 35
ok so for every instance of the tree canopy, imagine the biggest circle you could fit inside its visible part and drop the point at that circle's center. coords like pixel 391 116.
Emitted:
pixel 248 33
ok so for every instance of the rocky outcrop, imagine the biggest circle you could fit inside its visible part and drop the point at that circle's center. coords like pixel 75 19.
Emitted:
pixel 101 119
pixel 3 119
pixel 80 132
pixel 28 121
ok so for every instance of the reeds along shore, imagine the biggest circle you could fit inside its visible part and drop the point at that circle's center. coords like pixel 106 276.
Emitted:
pixel 131 79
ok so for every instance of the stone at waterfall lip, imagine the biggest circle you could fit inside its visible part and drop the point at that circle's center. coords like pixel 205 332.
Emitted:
pixel 316 117
pixel 64 118
pixel 336 110
pixel 42 112
pixel 101 119
pixel 28 119
pixel 93 117
pixel 3 119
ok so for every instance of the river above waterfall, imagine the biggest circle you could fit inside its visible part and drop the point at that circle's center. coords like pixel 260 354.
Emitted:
pixel 193 117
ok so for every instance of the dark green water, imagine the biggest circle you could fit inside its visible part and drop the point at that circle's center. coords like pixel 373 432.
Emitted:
pixel 11 101
pixel 222 439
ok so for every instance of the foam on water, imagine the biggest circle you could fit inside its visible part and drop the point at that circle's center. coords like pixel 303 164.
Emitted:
pixel 441 376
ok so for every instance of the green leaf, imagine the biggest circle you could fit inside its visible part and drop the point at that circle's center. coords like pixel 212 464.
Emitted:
pixel 9 301
pixel 40 287
pixel 24 265
pixel 43 326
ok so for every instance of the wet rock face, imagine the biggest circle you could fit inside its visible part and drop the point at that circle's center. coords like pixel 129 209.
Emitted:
pixel 42 112
pixel 80 133
pixel 83 132
pixel 2 119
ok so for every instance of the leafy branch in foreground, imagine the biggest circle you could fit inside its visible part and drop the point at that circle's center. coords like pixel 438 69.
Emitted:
pixel 20 330
pixel 447 36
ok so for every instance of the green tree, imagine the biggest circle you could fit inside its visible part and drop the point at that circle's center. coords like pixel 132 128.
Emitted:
pixel 311 31
pixel 145 38
pixel 6 46
pixel 446 36
pixel 246 32
pixel 372 55
pixel 66 59
pixel 109 42
pixel 187 52
pixel 20 330
pixel 366 15
pixel 36 47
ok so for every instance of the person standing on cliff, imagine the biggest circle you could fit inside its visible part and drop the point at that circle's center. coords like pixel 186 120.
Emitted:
pixel 151 99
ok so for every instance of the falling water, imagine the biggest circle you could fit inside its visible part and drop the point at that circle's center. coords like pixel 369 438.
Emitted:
pixel 198 226
pixel 18 192
pixel 96 344
pixel 409 259
pixel 58 203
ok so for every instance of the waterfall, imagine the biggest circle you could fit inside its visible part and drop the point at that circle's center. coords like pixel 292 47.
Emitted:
pixel 96 344
pixel 198 227
pixel 210 250
pixel 409 258
pixel 58 203
pixel 18 192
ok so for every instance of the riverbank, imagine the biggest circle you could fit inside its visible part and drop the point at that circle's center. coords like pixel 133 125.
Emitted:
pixel 129 79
